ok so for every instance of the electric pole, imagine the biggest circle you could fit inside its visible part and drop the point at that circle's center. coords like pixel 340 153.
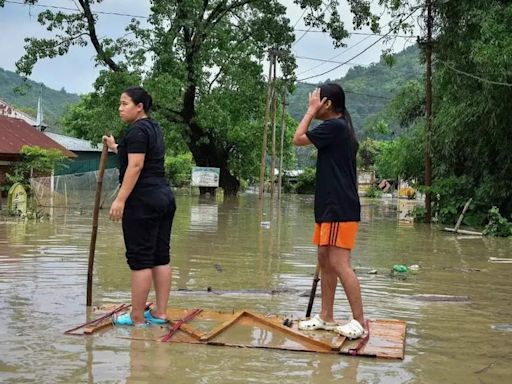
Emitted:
pixel 273 156
pixel 428 107
pixel 270 92
pixel 281 154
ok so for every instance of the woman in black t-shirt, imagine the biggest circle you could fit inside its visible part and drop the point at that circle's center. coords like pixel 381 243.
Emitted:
pixel 146 206
pixel 337 207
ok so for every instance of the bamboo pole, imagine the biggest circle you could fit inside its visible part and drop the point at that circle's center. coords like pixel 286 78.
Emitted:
pixel 273 161
pixel 270 91
pixel 283 129
pixel 428 107
pixel 92 246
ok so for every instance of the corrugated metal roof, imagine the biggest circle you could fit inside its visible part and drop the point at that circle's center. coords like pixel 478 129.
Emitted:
pixel 72 143
pixel 15 133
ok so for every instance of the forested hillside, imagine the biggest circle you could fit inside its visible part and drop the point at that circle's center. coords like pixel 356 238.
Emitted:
pixel 369 89
pixel 54 102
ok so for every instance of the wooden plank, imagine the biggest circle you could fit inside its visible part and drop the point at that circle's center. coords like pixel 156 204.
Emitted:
pixel 214 332
pixel 463 231
pixel 290 332
pixel 89 330
pixel 192 331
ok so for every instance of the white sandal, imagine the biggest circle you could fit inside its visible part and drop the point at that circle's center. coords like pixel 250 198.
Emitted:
pixel 315 323
pixel 352 330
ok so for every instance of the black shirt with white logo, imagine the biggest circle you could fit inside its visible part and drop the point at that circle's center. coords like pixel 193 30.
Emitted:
pixel 336 197
pixel 143 136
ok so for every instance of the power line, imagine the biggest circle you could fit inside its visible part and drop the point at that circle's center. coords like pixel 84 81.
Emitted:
pixel 360 53
pixel 74 10
pixel 473 76
pixel 335 56
pixel 306 31
pixel 354 93
pixel 324 60
pixel 300 18
pixel 355 33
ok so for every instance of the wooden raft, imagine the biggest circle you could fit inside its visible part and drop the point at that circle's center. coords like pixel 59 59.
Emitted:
pixel 245 329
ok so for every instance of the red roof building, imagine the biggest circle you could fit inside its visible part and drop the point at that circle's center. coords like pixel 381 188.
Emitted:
pixel 14 134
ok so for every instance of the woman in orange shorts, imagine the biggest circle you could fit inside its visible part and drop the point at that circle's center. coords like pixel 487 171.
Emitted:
pixel 337 207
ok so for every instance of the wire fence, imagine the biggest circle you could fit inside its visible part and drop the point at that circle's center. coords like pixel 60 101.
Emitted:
pixel 75 190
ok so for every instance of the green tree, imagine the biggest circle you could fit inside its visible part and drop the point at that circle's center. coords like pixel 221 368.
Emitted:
pixel 474 94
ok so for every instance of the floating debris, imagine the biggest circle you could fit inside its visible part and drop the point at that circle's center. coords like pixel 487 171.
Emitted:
pixel 502 327
pixel 441 298
pixel 218 267
pixel 503 260
pixel 400 268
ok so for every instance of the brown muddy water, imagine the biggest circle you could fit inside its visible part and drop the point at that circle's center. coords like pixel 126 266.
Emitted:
pixel 221 244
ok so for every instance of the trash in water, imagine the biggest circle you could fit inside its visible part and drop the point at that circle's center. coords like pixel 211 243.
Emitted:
pixel 373 272
pixel 414 267
pixel 265 224
pixel 400 268
pixel 502 327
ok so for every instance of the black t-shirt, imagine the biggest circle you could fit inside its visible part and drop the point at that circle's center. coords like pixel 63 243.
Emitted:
pixel 336 197
pixel 143 136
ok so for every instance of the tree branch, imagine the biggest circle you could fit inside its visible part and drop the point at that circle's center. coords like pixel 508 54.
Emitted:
pixel 91 26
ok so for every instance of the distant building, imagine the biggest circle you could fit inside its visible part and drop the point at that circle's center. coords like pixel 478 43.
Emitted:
pixel 14 134
pixel 88 155
pixel 8 110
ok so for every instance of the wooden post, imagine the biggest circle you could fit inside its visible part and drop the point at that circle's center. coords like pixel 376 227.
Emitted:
pixel 459 221
pixel 283 129
pixel 270 91
pixel 274 112
pixel 92 246
pixel 428 107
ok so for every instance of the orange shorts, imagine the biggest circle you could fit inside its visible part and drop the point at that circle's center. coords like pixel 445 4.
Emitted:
pixel 340 234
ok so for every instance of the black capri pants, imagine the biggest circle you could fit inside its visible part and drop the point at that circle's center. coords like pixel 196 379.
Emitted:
pixel 147 223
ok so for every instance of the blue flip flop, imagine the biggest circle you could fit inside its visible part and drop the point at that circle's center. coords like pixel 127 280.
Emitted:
pixel 154 320
pixel 126 320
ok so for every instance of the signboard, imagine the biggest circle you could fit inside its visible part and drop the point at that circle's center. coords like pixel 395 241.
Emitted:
pixel 17 200
pixel 205 177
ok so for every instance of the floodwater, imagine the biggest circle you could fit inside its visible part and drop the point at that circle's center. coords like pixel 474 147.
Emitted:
pixel 221 243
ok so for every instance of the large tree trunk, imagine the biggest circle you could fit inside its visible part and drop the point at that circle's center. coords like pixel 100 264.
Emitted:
pixel 210 155
pixel 206 153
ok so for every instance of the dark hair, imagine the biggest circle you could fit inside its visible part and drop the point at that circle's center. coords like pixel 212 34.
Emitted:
pixel 334 92
pixel 140 96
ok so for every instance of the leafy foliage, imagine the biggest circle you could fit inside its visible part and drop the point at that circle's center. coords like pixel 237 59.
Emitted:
pixel 498 225
pixel 373 192
pixel 178 169
pixel 306 182
pixel 34 160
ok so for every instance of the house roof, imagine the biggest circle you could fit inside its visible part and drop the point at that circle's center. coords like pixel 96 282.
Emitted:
pixel 15 133
pixel 72 143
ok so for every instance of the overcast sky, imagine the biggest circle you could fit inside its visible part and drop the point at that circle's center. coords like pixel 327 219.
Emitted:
pixel 76 71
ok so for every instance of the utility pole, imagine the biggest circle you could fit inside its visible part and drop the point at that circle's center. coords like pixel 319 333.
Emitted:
pixel 428 107
pixel 274 112
pixel 270 92
pixel 281 154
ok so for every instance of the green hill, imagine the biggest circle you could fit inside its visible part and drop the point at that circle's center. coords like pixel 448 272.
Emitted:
pixel 54 102
pixel 368 88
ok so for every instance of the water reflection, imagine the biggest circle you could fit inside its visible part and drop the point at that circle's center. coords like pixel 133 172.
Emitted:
pixel 220 243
